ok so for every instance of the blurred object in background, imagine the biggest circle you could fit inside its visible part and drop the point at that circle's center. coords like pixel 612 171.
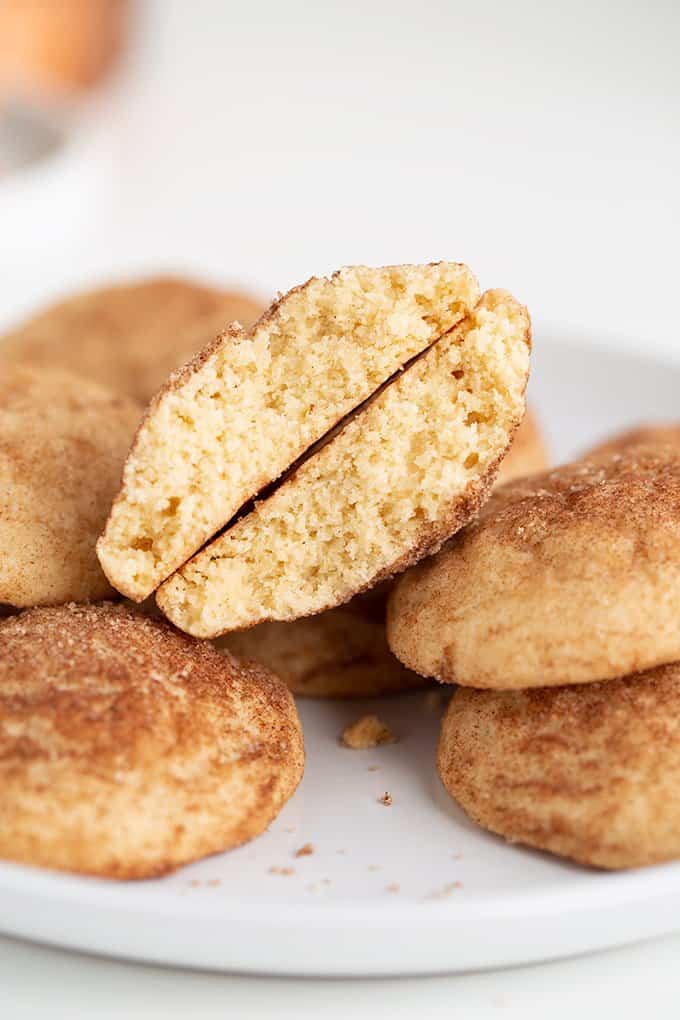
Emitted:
pixel 58 47
pixel 25 137
pixel 55 155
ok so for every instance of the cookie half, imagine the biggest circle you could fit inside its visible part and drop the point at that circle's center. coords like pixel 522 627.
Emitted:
pixel 405 473
pixel 130 336
pixel 342 653
pixel 253 402
pixel 565 577
pixel 63 442
pixel 587 772
pixel 128 749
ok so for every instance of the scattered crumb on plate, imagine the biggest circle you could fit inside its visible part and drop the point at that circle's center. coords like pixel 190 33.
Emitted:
pixel 445 891
pixel 366 732
pixel 392 887
pixel 314 886
pixel 306 850
pixel 274 870
pixel 386 799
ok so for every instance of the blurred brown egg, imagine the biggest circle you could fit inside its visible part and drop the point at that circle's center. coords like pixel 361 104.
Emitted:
pixel 58 46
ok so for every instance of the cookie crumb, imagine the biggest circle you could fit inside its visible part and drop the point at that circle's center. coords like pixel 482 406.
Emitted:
pixel 386 799
pixel 281 871
pixel 289 828
pixel 213 882
pixel 366 732
pixel 373 768
pixel 306 850
pixel 392 887
pixel 446 890
pixel 195 883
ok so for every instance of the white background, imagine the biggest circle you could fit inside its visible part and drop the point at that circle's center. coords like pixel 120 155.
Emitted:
pixel 258 143
pixel 262 142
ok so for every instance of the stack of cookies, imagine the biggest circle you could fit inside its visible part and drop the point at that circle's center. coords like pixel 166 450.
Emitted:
pixel 557 612
pixel 368 426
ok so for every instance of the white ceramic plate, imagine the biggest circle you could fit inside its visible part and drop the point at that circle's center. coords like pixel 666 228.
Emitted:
pixel 414 888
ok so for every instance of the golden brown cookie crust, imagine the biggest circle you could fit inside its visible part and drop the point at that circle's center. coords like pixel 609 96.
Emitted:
pixel 654 435
pixel 528 453
pixel 587 772
pixel 128 749
pixel 342 653
pixel 63 441
pixel 570 576
pixel 129 336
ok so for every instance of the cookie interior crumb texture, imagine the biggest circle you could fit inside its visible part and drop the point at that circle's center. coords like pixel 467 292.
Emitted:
pixel 236 418
pixel 389 488
pixel 366 732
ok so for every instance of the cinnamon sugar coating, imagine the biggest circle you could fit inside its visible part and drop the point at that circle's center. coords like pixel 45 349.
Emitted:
pixel 587 772
pixel 63 442
pixel 566 577
pixel 129 336
pixel 128 749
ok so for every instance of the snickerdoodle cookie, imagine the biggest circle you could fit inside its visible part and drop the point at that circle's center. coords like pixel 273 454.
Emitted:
pixel 128 749
pixel 63 441
pixel 129 336
pixel 527 454
pixel 648 434
pixel 341 653
pixel 589 772
pixel 394 483
pixel 253 402
pixel 566 577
